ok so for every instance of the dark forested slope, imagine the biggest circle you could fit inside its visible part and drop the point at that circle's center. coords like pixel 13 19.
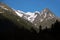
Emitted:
pixel 12 27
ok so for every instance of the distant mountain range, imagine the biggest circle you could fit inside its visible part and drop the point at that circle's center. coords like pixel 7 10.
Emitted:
pixel 28 20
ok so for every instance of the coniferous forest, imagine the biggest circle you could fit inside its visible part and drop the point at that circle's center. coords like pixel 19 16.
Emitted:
pixel 12 27
pixel 10 31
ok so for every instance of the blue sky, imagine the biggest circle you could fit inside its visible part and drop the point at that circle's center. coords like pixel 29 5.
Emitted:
pixel 34 5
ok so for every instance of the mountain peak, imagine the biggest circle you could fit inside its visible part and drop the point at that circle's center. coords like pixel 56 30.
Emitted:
pixel 48 13
pixel 45 18
pixel 46 9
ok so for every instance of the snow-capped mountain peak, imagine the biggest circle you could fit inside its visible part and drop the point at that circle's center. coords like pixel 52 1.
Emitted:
pixel 44 18
pixel 29 13
pixel 38 18
pixel 32 16
pixel 37 12
pixel 20 11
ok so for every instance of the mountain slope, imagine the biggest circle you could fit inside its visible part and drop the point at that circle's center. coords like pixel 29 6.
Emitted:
pixel 46 19
pixel 11 16
pixel 14 26
pixel 28 20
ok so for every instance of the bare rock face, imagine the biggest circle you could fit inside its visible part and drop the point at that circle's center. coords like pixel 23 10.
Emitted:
pixel 45 19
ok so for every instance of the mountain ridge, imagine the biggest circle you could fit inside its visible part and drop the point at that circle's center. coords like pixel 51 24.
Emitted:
pixel 45 18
